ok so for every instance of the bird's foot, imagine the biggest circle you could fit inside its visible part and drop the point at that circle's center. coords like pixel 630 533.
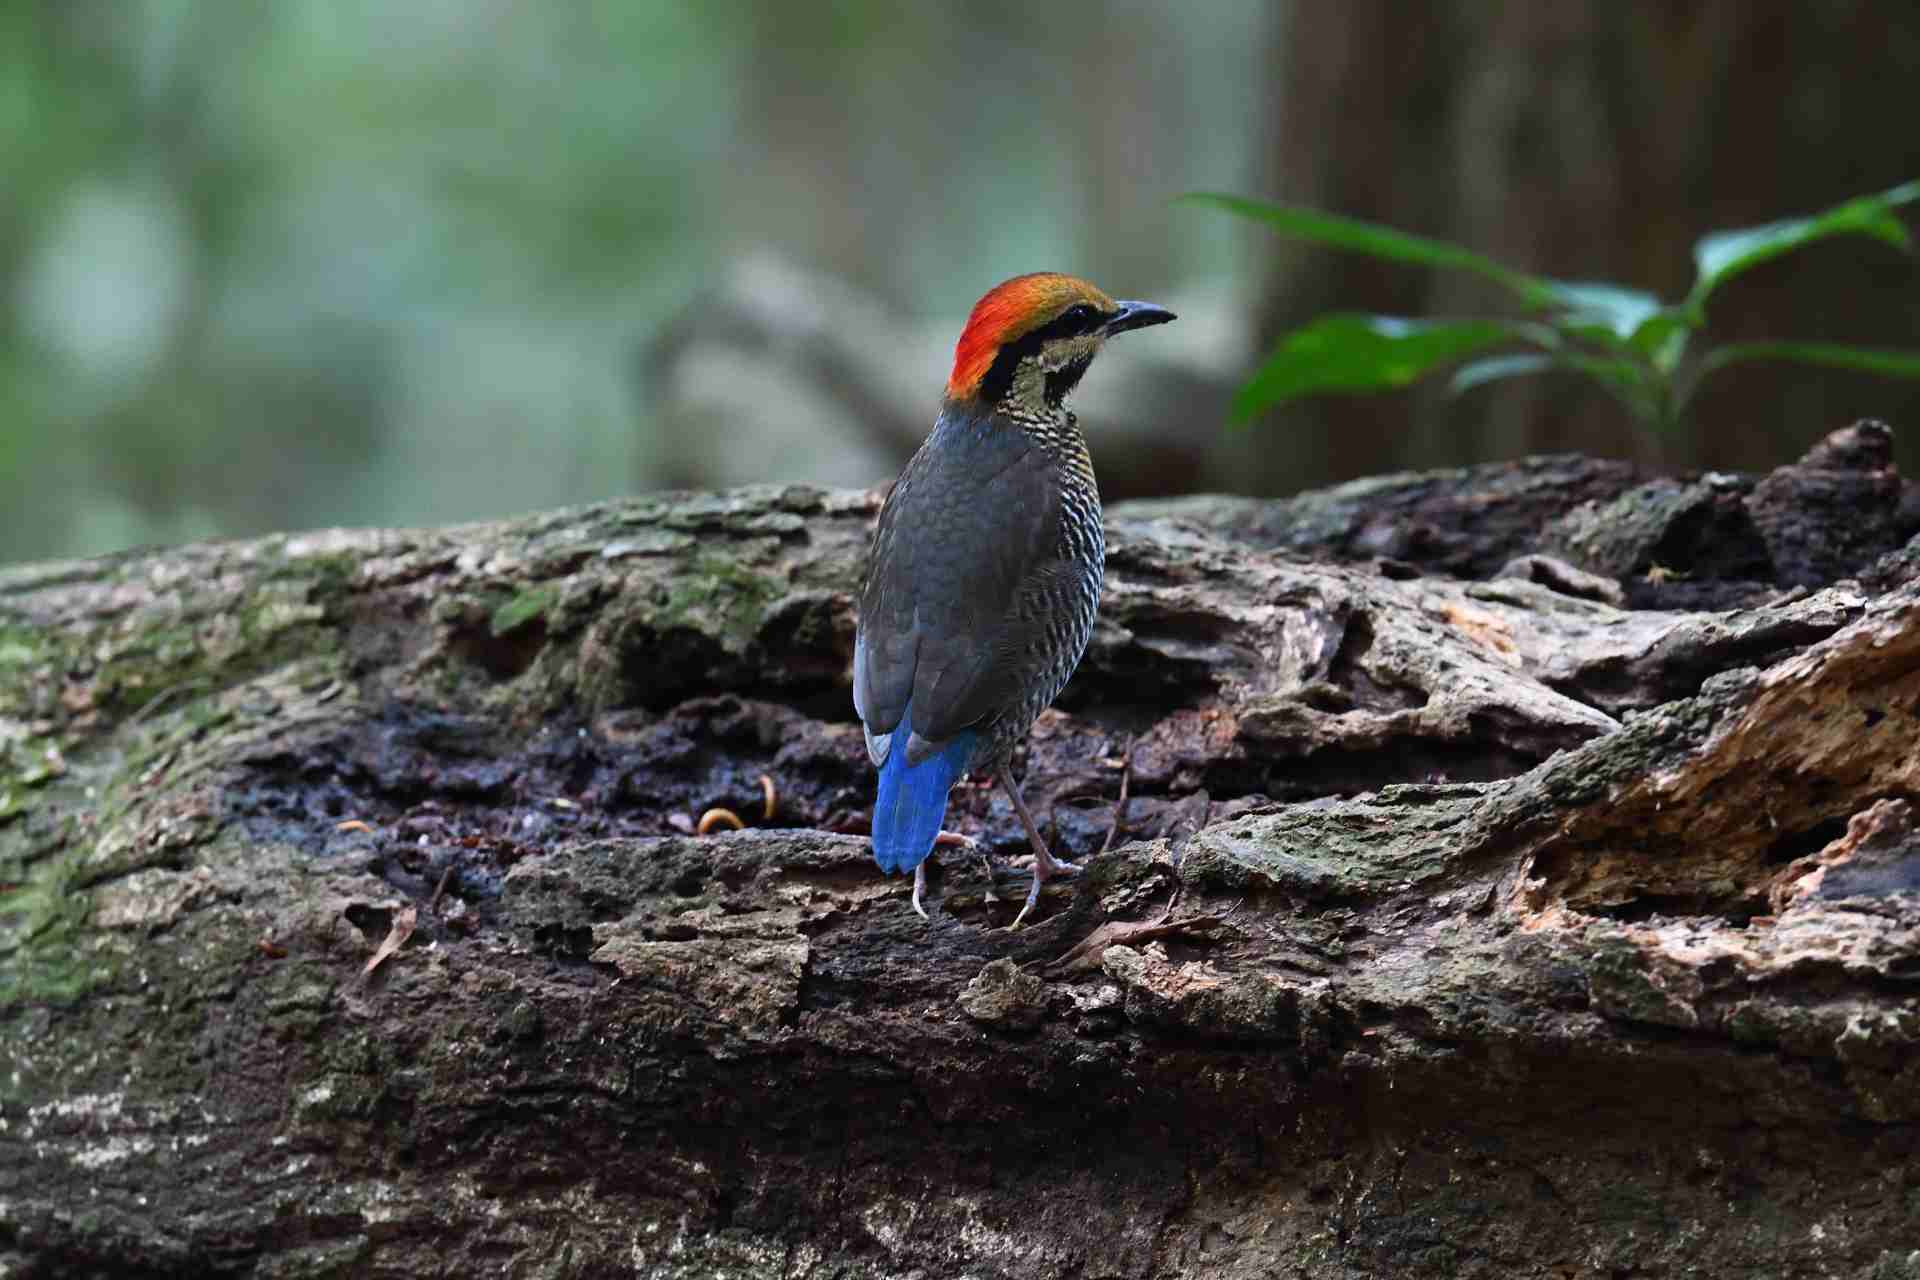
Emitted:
pixel 946 839
pixel 1045 868
pixel 1061 867
pixel 1045 865
pixel 954 840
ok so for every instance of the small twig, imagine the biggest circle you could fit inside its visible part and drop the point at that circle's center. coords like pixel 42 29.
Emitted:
pixel 433 903
pixel 1086 955
pixel 1120 809
pixel 718 817
pixel 766 787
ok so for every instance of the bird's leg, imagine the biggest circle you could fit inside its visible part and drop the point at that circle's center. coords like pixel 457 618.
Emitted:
pixel 952 839
pixel 1045 865
pixel 958 841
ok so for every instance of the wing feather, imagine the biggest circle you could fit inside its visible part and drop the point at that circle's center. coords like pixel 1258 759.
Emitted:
pixel 973 522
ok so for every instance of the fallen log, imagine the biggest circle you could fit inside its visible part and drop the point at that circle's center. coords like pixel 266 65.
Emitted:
pixel 1518 876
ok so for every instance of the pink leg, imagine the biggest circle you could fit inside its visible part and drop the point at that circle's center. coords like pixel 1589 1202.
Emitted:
pixel 951 840
pixel 1045 865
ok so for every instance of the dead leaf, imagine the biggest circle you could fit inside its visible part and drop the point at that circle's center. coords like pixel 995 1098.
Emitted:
pixel 397 935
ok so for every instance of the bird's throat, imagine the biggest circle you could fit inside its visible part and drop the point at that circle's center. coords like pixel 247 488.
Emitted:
pixel 1037 391
pixel 1064 379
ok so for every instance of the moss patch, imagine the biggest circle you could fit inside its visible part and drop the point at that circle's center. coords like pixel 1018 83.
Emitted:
pixel 530 604
pixel 720 589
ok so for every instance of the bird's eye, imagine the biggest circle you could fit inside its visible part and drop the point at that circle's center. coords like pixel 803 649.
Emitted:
pixel 1080 311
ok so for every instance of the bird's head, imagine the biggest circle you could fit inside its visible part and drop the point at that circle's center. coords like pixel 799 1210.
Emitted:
pixel 1029 340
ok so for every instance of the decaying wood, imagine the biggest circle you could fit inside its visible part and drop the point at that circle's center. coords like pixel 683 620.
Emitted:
pixel 1520 877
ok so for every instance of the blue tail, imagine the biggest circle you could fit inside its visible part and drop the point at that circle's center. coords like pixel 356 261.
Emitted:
pixel 912 801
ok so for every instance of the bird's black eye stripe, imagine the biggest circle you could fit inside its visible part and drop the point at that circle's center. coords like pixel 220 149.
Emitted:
pixel 1081 317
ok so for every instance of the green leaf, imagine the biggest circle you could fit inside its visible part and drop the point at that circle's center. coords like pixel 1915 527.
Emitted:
pixel 1662 337
pixel 1625 380
pixel 1379 242
pixel 1628 380
pixel 1618 311
pixel 1724 254
pixel 1880 360
pixel 1348 353
pixel 1477 373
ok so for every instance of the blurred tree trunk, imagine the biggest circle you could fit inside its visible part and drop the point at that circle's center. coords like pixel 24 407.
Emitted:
pixel 1594 141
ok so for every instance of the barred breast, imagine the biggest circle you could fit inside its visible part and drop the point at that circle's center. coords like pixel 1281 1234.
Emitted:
pixel 1056 606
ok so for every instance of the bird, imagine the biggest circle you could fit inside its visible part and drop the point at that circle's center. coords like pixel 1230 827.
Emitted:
pixel 986 566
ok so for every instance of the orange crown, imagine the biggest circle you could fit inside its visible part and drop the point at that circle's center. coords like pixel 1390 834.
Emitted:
pixel 1009 312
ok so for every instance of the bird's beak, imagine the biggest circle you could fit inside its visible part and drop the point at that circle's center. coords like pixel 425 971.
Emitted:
pixel 1137 315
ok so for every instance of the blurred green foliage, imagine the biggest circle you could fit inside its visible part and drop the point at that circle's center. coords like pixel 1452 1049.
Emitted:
pixel 344 262
pixel 341 261
pixel 316 262
pixel 1627 341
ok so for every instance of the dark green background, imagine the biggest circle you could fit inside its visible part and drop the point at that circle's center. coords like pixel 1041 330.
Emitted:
pixel 325 261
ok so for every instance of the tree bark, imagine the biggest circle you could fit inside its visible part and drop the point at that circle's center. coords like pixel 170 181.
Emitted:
pixel 1510 881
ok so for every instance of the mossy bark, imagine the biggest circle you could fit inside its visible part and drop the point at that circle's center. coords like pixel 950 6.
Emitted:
pixel 1455 925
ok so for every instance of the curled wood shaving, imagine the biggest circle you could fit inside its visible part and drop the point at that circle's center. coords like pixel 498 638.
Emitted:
pixel 352 824
pixel 718 818
pixel 766 788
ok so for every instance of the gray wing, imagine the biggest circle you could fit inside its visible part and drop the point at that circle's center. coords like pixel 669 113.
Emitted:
pixel 972 523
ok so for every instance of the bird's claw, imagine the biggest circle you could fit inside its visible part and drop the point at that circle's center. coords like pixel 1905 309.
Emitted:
pixel 1043 871
pixel 1033 896
pixel 947 840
